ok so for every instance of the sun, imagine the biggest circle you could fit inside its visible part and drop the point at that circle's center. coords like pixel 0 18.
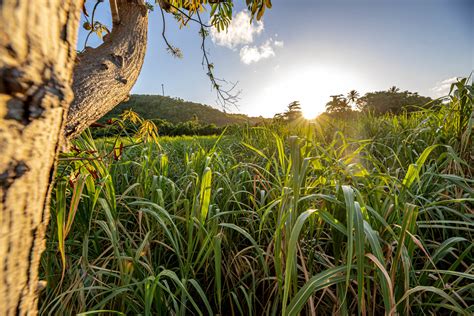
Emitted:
pixel 311 113
pixel 311 85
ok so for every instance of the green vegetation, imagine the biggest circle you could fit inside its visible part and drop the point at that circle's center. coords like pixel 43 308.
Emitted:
pixel 292 114
pixel 392 101
pixel 176 117
pixel 175 110
pixel 379 102
pixel 193 128
pixel 370 216
pixel 172 117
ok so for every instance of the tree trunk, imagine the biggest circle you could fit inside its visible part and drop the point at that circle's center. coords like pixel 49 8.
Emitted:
pixel 37 55
pixel 104 76
pixel 37 58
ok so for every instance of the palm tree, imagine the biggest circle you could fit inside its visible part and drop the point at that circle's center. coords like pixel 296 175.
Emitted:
pixel 338 104
pixel 393 89
pixel 352 96
pixel 279 117
pixel 294 111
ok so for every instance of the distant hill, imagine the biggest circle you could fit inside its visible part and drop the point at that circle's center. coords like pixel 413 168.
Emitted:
pixel 177 110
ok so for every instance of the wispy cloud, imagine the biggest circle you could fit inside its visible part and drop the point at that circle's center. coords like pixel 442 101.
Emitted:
pixel 239 32
pixel 442 87
pixel 253 54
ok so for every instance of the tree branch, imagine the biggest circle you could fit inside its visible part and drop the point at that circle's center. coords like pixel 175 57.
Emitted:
pixel 225 97
pixel 104 76
pixel 176 52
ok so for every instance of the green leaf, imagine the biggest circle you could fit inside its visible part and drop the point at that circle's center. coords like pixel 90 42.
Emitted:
pixel 291 254
pixel 413 172
pixel 318 282
pixel 205 193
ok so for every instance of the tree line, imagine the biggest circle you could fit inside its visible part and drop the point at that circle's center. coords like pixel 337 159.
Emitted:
pixel 164 127
pixel 392 100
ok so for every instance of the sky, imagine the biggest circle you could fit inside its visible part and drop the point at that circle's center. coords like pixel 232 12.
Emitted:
pixel 307 50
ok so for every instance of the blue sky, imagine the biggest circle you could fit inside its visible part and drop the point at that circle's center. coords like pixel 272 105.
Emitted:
pixel 308 50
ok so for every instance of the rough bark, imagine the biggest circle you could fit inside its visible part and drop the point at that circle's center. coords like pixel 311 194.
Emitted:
pixel 37 55
pixel 37 58
pixel 104 76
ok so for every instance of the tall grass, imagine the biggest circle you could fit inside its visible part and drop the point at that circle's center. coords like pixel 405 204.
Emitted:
pixel 373 216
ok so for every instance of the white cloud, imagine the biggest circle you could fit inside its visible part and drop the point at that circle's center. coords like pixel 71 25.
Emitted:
pixel 239 32
pixel 253 54
pixel 442 88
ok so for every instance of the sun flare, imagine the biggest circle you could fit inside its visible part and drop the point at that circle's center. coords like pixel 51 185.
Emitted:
pixel 309 114
pixel 312 86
